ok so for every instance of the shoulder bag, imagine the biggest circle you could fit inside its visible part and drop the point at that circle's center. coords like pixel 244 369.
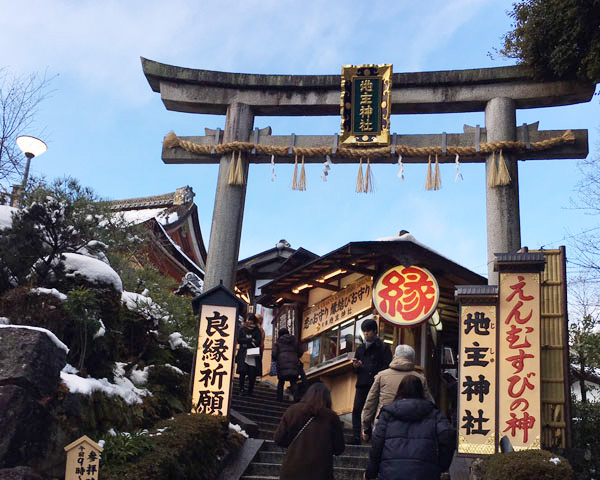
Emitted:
pixel 301 430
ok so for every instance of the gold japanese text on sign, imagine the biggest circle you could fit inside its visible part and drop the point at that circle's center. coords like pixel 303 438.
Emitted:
pixel 350 301
pixel 366 104
pixel 83 459
pixel 519 372
pixel 406 296
pixel 214 360
pixel 477 384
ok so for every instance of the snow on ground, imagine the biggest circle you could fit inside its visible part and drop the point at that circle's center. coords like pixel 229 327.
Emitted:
pixel 176 340
pixel 53 337
pixel 4 321
pixel 178 370
pixel 49 291
pixel 101 331
pixel 6 214
pixel 555 460
pixel 139 377
pixel 238 429
pixel 92 269
pixel 122 387
pixel 68 368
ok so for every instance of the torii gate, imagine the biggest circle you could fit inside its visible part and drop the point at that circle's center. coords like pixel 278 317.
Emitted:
pixel 496 91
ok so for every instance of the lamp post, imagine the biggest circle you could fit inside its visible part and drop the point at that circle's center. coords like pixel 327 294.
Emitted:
pixel 31 147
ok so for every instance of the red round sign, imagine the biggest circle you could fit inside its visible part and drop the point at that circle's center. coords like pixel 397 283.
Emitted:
pixel 406 295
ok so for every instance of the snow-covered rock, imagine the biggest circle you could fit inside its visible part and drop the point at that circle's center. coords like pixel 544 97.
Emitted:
pixel 91 269
pixel 53 337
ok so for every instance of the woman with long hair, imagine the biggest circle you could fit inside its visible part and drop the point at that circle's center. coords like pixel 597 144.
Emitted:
pixel 312 433
pixel 412 438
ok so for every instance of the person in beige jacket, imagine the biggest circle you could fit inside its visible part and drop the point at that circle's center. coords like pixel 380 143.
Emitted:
pixel 384 388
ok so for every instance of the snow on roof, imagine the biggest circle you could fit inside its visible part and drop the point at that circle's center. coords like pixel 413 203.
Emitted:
pixel 92 269
pixel 122 387
pixel 6 214
pixel 53 337
pixel 138 216
pixel 407 237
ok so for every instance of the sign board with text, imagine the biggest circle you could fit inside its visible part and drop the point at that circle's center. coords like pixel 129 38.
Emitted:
pixel 519 355
pixel 83 459
pixel 366 104
pixel 477 380
pixel 406 296
pixel 348 302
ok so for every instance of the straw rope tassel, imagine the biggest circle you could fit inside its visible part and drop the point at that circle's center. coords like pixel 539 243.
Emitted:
pixel 295 177
pixel 503 174
pixel 231 178
pixel 171 140
pixel 492 173
pixel 437 178
pixel 302 185
pixel 239 170
pixel 429 178
pixel 359 179
pixel 368 187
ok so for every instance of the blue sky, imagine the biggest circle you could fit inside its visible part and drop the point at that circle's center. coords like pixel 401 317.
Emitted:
pixel 104 125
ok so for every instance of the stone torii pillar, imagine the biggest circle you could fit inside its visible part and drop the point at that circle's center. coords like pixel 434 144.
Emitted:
pixel 226 229
pixel 497 91
pixel 503 225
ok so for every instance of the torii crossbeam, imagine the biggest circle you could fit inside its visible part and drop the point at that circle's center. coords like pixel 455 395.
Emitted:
pixel 497 91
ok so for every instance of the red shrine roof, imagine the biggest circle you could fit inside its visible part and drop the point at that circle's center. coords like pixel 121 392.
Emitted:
pixel 172 218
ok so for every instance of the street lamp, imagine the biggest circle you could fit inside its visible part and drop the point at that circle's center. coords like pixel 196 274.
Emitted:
pixel 31 147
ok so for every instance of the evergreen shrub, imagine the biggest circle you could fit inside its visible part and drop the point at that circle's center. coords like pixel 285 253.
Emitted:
pixel 189 446
pixel 527 465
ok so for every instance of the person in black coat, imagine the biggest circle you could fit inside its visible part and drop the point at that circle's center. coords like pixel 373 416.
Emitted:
pixel 250 366
pixel 371 357
pixel 286 353
pixel 412 438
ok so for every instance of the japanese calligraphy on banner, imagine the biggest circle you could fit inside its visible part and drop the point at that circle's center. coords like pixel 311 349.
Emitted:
pixel 340 306
pixel 406 296
pixel 83 459
pixel 366 104
pixel 214 360
pixel 477 385
pixel 519 371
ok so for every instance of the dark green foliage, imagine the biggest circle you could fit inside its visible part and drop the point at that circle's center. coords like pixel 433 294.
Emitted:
pixel 586 441
pixel 191 447
pixel 126 447
pixel 584 348
pixel 526 465
pixel 556 38
pixel 169 390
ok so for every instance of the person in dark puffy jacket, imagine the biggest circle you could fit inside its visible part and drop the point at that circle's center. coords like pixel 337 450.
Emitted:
pixel 286 353
pixel 412 438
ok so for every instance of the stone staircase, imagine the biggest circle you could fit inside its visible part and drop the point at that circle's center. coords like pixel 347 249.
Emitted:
pixel 263 409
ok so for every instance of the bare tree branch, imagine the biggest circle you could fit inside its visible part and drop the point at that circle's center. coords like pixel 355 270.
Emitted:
pixel 20 97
